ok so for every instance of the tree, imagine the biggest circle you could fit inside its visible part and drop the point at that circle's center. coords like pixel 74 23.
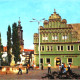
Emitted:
pixel 1 46
pixel 16 43
pixel 9 44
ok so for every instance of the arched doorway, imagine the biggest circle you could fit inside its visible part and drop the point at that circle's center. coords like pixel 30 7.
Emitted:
pixel 58 61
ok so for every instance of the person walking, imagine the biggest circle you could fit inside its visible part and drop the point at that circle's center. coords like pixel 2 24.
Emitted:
pixel 42 67
pixel 69 69
pixel 59 67
pixel 64 68
pixel 34 66
pixel 20 71
pixel 49 68
pixel 27 69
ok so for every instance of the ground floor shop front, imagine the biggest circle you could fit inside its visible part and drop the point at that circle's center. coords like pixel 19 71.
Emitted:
pixel 55 60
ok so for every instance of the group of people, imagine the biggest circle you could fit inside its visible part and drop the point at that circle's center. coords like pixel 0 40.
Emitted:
pixel 63 68
pixel 27 68
pixel 20 70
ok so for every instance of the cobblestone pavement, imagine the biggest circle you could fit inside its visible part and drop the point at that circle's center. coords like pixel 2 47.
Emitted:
pixel 33 74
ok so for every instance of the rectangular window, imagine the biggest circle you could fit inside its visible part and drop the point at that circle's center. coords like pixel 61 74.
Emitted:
pixel 42 48
pixel 54 37
pixel 51 48
pixel 61 48
pixel 69 60
pixel 45 38
pixel 71 47
pixel 41 60
pixel 58 48
pixel 68 48
pixel 64 37
pixel 48 60
pixel 47 48
pixel 79 47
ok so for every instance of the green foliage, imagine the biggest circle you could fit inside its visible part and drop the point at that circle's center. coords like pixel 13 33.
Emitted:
pixel 0 55
pixel 4 63
pixel 1 46
pixel 9 44
pixel 16 43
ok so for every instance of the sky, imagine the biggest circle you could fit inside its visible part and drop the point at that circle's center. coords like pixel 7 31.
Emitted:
pixel 11 10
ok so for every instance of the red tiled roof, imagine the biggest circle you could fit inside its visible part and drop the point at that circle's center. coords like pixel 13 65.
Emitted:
pixel 28 50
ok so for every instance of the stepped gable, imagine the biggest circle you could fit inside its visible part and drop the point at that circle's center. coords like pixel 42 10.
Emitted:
pixel 55 16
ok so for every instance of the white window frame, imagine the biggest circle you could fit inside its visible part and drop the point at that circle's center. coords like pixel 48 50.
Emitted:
pixel 60 47
pixel 70 47
pixel 44 37
pixel 41 48
pixel 55 37
pixel 69 62
pixel 64 37
pixel 49 48
pixel 78 47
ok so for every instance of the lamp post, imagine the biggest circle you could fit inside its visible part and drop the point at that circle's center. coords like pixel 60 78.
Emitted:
pixel 34 20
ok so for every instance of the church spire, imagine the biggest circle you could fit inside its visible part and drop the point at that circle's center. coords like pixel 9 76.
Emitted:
pixel 19 21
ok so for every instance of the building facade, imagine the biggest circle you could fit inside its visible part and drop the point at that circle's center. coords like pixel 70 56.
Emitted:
pixel 29 56
pixel 59 43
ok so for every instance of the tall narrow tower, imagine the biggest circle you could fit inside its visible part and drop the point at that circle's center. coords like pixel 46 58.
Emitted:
pixel 20 34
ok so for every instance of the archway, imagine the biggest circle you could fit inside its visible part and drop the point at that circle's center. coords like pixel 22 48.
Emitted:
pixel 58 61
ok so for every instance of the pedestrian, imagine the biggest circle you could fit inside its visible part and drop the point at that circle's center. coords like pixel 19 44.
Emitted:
pixel 60 67
pixel 28 66
pixel 20 70
pixel 34 66
pixel 69 70
pixel 49 68
pixel 64 68
pixel 27 69
pixel 42 67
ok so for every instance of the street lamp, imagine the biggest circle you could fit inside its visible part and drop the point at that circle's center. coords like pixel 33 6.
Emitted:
pixel 34 20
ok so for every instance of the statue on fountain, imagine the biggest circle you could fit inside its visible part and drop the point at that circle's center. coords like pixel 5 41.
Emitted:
pixel 12 58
